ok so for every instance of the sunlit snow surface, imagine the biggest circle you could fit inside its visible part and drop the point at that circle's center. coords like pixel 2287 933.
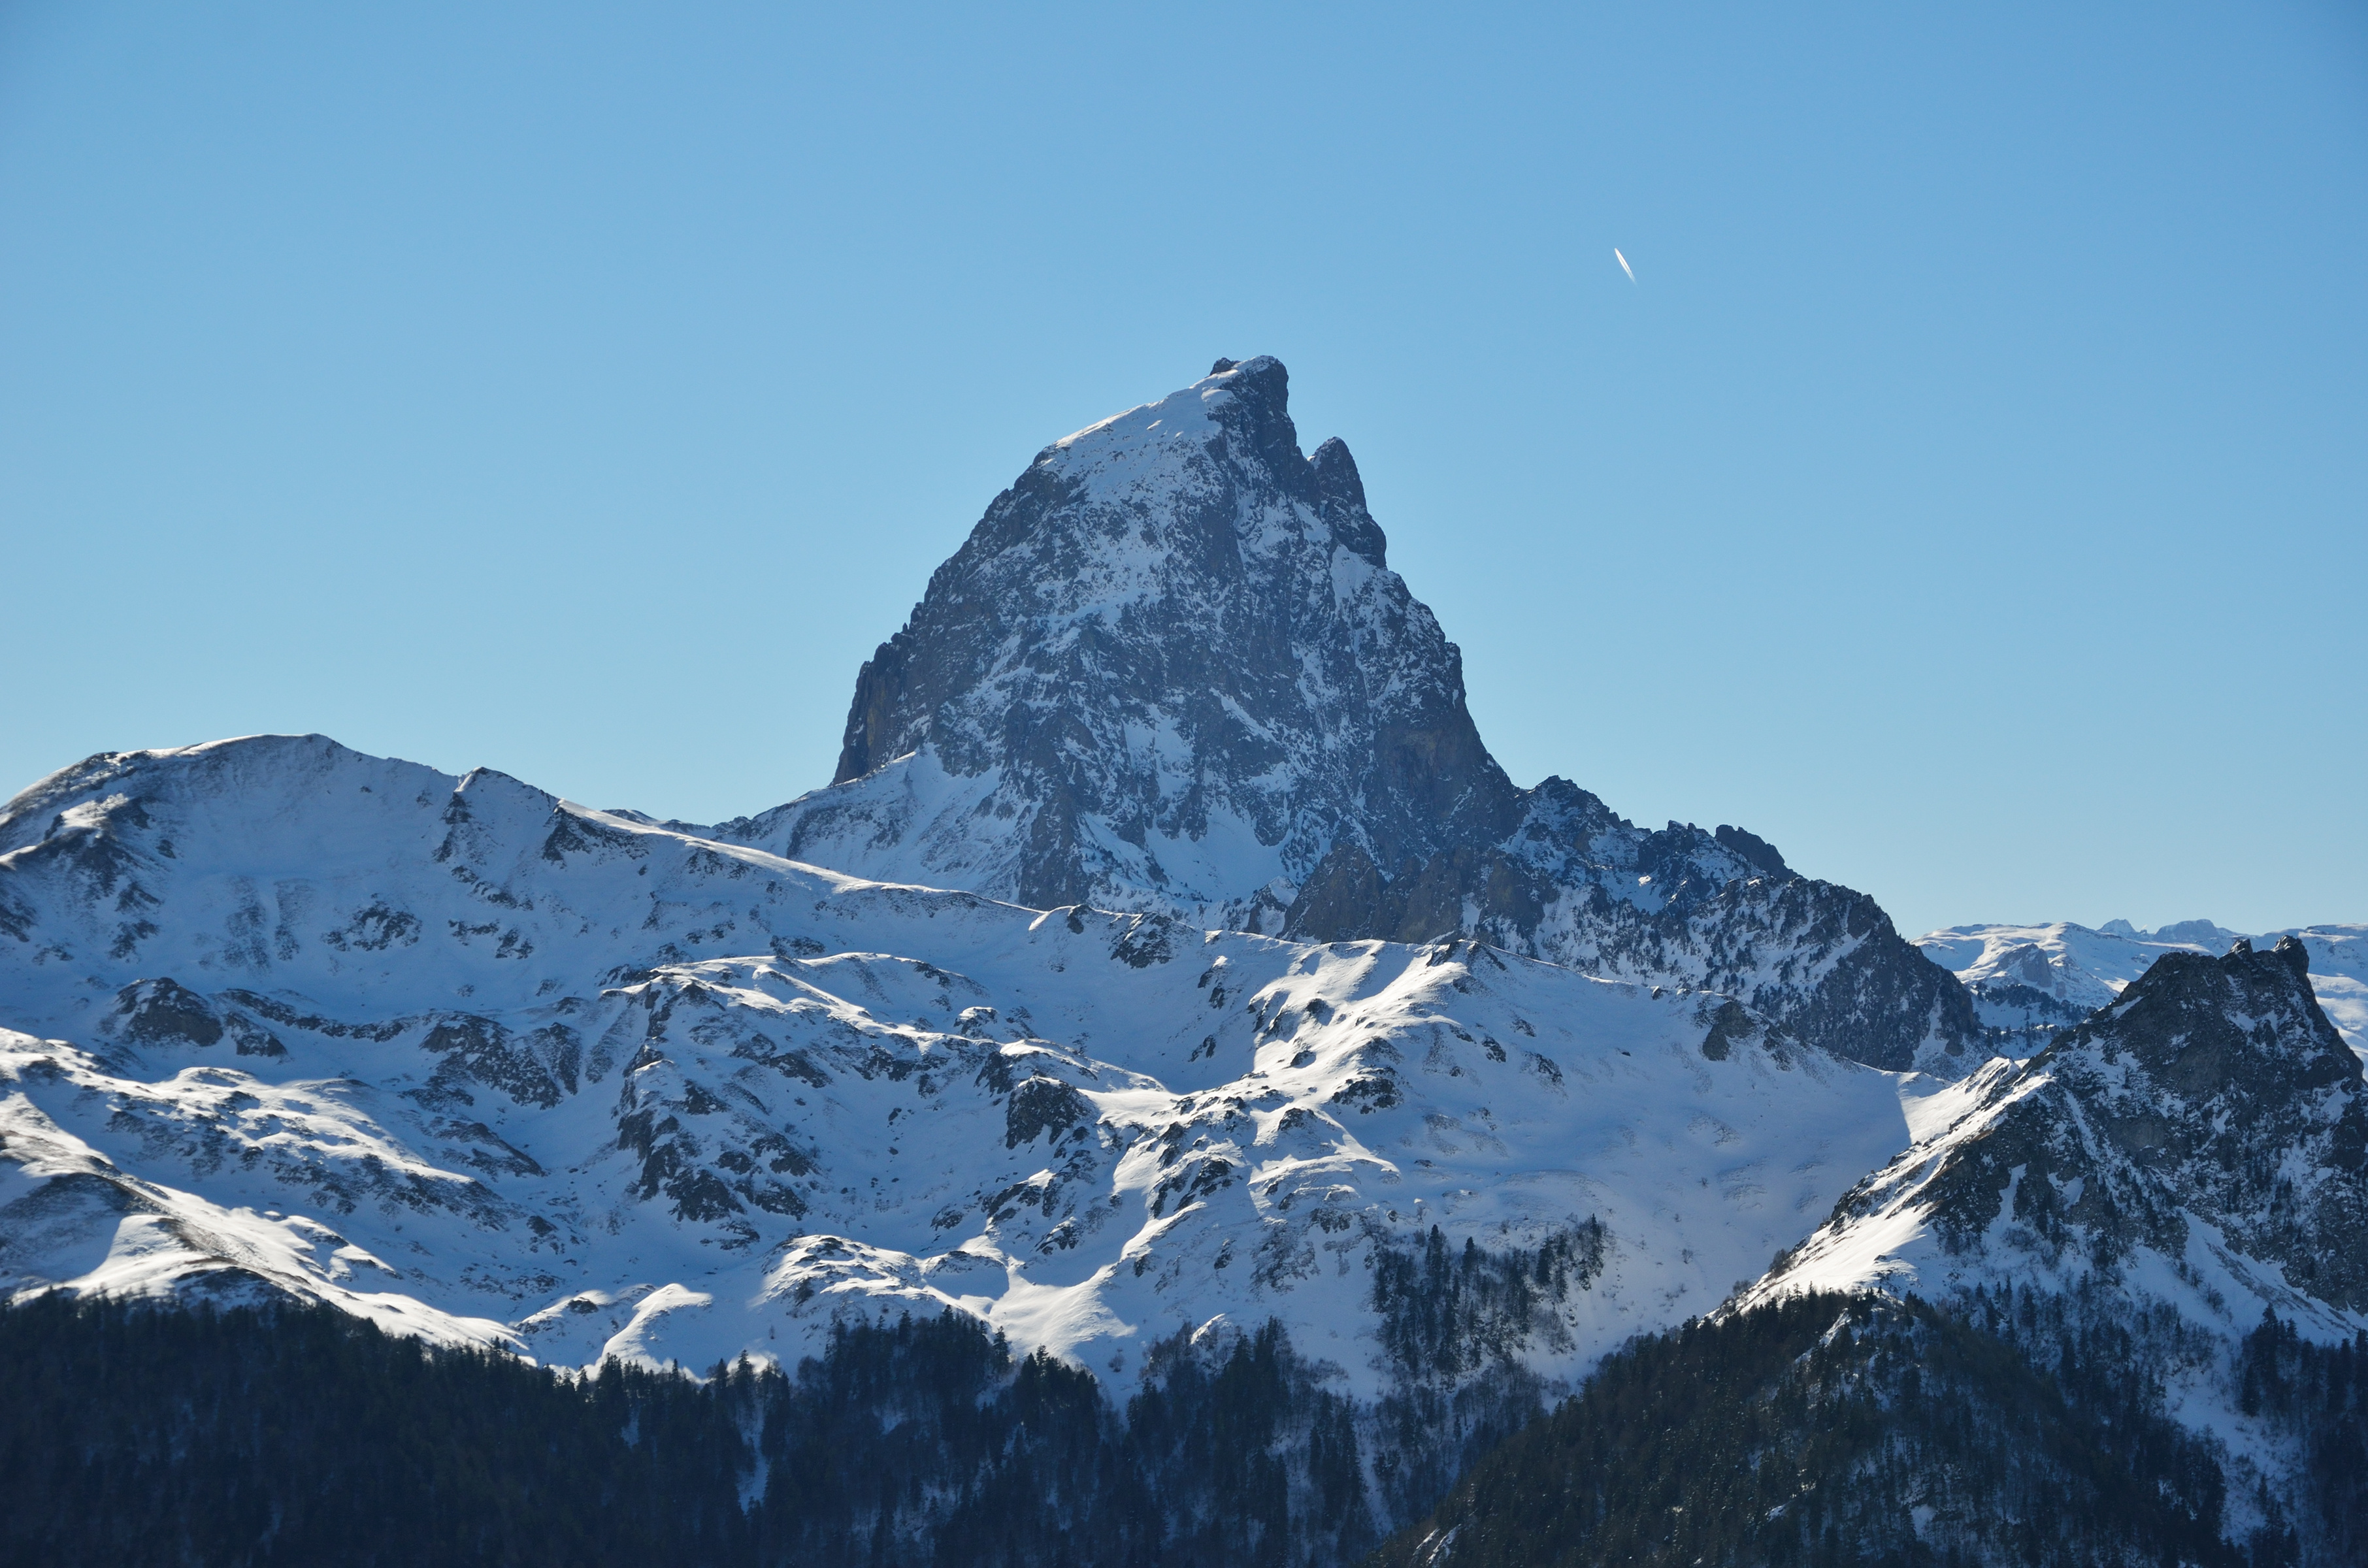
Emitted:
pixel 494 1068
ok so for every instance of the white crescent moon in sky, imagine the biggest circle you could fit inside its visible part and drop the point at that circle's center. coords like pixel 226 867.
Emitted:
pixel 1624 264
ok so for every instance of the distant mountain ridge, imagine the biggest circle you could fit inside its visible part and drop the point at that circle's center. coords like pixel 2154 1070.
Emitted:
pixel 2043 977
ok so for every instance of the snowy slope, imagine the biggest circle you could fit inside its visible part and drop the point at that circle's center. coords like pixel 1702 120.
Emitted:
pixel 2023 976
pixel 496 1068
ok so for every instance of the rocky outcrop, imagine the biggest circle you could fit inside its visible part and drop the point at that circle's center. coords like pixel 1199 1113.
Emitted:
pixel 2214 1088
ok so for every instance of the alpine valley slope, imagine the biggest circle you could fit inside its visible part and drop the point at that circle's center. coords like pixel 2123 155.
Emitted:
pixel 490 1067
pixel 1171 671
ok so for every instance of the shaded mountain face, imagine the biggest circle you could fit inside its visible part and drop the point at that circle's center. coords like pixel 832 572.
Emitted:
pixel 1174 632
pixel 2202 1140
pixel 1171 671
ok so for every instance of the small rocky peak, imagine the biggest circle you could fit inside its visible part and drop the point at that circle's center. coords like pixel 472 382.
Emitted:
pixel 2245 1024
pixel 1752 848
pixel 1683 856
pixel 1563 816
pixel 1340 497
pixel 1258 415
pixel 2211 1087
pixel 2285 969
pixel 1337 478
pixel 2241 980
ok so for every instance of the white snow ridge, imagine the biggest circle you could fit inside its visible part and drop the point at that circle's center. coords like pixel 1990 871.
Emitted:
pixel 492 1067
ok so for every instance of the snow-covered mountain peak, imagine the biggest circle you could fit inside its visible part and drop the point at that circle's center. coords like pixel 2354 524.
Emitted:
pixel 1170 671
pixel 1168 668
pixel 1248 400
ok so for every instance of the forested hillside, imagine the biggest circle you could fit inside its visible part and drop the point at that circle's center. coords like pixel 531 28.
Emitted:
pixel 1827 1429
pixel 1820 1429
pixel 136 1435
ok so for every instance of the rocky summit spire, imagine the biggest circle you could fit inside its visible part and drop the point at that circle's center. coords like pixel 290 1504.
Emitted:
pixel 1170 670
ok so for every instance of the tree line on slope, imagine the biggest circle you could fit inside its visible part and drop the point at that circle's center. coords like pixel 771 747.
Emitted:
pixel 2316 1399
pixel 284 1433
pixel 1453 1325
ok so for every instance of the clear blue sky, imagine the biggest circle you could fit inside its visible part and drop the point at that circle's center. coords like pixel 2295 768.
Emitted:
pixel 1970 494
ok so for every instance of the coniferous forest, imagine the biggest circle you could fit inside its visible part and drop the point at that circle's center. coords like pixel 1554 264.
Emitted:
pixel 1818 1430
pixel 1864 1430
pixel 134 1435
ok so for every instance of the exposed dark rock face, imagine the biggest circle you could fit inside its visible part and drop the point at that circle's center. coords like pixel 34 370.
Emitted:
pixel 1170 670
pixel 1753 849
pixel 155 1011
pixel 1580 886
